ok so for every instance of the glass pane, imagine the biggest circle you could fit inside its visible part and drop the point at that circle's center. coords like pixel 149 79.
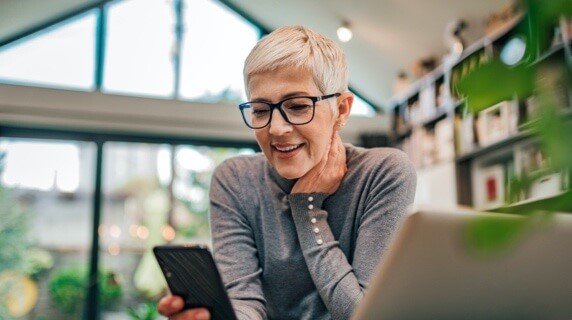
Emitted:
pixel 46 192
pixel 215 45
pixel 138 48
pixel 361 108
pixel 153 194
pixel 61 56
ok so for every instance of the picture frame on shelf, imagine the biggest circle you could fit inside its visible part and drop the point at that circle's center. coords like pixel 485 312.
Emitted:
pixel 490 191
pixel 532 162
pixel 497 122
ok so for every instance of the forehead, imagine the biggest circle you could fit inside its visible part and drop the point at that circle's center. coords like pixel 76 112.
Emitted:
pixel 280 82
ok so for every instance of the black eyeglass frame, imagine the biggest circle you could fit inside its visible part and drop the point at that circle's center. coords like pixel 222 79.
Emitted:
pixel 278 106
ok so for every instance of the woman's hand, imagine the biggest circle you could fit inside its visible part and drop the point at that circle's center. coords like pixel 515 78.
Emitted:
pixel 327 175
pixel 172 307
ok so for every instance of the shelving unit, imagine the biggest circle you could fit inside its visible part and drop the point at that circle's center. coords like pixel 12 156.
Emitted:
pixel 486 139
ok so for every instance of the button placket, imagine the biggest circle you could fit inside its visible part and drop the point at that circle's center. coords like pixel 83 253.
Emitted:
pixel 314 220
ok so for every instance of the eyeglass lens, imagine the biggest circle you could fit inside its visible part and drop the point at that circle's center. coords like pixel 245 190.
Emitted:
pixel 298 111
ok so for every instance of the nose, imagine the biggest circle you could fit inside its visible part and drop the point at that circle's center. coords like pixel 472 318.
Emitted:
pixel 278 125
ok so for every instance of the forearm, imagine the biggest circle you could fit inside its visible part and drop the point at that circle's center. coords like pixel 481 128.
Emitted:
pixel 235 251
pixel 331 272
pixel 248 310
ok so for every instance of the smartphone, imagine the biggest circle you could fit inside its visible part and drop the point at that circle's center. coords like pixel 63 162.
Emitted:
pixel 191 273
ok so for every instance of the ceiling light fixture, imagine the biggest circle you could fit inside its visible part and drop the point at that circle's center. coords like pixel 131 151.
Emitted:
pixel 344 32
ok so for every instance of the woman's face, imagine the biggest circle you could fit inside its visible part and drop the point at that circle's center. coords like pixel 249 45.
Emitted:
pixel 292 149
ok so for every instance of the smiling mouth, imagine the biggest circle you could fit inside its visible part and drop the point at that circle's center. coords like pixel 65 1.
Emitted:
pixel 288 148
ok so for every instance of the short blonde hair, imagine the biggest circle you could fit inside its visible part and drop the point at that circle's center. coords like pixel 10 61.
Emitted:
pixel 298 46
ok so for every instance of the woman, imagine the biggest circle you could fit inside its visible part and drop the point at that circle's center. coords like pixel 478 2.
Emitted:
pixel 298 231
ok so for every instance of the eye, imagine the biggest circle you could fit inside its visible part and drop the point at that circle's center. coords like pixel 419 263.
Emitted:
pixel 298 105
pixel 260 110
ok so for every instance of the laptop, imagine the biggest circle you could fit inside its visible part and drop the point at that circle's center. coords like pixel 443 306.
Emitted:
pixel 474 266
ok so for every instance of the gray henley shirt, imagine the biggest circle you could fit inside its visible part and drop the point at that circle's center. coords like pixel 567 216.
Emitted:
pixel 305 256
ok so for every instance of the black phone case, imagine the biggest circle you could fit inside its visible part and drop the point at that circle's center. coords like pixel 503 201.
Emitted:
pixel 191 273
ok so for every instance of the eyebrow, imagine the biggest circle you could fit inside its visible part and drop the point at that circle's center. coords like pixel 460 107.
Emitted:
pixel 286 96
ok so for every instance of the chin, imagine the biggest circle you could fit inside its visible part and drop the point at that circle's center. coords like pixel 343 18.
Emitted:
pixel 290 174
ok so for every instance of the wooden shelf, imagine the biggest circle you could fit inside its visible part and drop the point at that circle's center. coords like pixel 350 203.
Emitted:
pixel 439 115
pixel 558 48
pixel 490 39
pixel 508 142
pixel 499 152
pixel 561 202
pixel 402 134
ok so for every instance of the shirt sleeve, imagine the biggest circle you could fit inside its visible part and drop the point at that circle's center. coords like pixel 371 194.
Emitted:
pixel 341 285
pixel 234 247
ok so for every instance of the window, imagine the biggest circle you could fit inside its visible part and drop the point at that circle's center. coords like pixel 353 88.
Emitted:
pixel 361 108
pixel 60 56
pixel 46 198
pixel 215 45
pixel 154 193
pixel 139 42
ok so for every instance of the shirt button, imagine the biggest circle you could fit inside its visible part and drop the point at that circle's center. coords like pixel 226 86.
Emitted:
pixel 319 241
pixel 310 199
pixel 316 230
pixel 313 220
pixel 311 207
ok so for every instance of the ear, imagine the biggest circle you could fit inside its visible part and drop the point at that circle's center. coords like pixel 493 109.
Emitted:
pixel 345 101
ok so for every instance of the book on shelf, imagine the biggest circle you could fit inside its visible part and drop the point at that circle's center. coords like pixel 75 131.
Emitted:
pixel 428 148
pixel 464 134
pixel 443 97
pixel 497 122
pixel 444 140
pixel 427 101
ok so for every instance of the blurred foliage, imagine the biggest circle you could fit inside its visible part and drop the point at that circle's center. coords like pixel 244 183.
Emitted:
pixel 68 288
pixel 484 80
pixel 544 16
pixel 494 81
pixel 198 225
pixel 37 262
pixel 13 232
pixel 144 311
pixel 488 235
pixel 13 235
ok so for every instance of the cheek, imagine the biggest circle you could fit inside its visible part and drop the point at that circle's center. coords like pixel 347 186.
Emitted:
pixel 262 140
pixel 321 143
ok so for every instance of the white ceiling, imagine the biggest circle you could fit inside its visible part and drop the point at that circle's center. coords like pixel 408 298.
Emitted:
pixel 389 35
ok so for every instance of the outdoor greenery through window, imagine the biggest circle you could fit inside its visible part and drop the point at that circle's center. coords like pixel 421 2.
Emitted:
pixel 45 223
pixel 152 194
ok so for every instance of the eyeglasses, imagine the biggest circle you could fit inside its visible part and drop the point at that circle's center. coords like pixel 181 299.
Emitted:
pixel 295 110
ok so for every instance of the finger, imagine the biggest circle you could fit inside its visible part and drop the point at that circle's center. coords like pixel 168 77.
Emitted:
pixel 193 314
pixel 169 305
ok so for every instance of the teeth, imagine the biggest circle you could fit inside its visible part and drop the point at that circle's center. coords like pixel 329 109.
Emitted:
pixel 288 148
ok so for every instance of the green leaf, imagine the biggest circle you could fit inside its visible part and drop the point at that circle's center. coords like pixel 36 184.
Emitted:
pixel 493 82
